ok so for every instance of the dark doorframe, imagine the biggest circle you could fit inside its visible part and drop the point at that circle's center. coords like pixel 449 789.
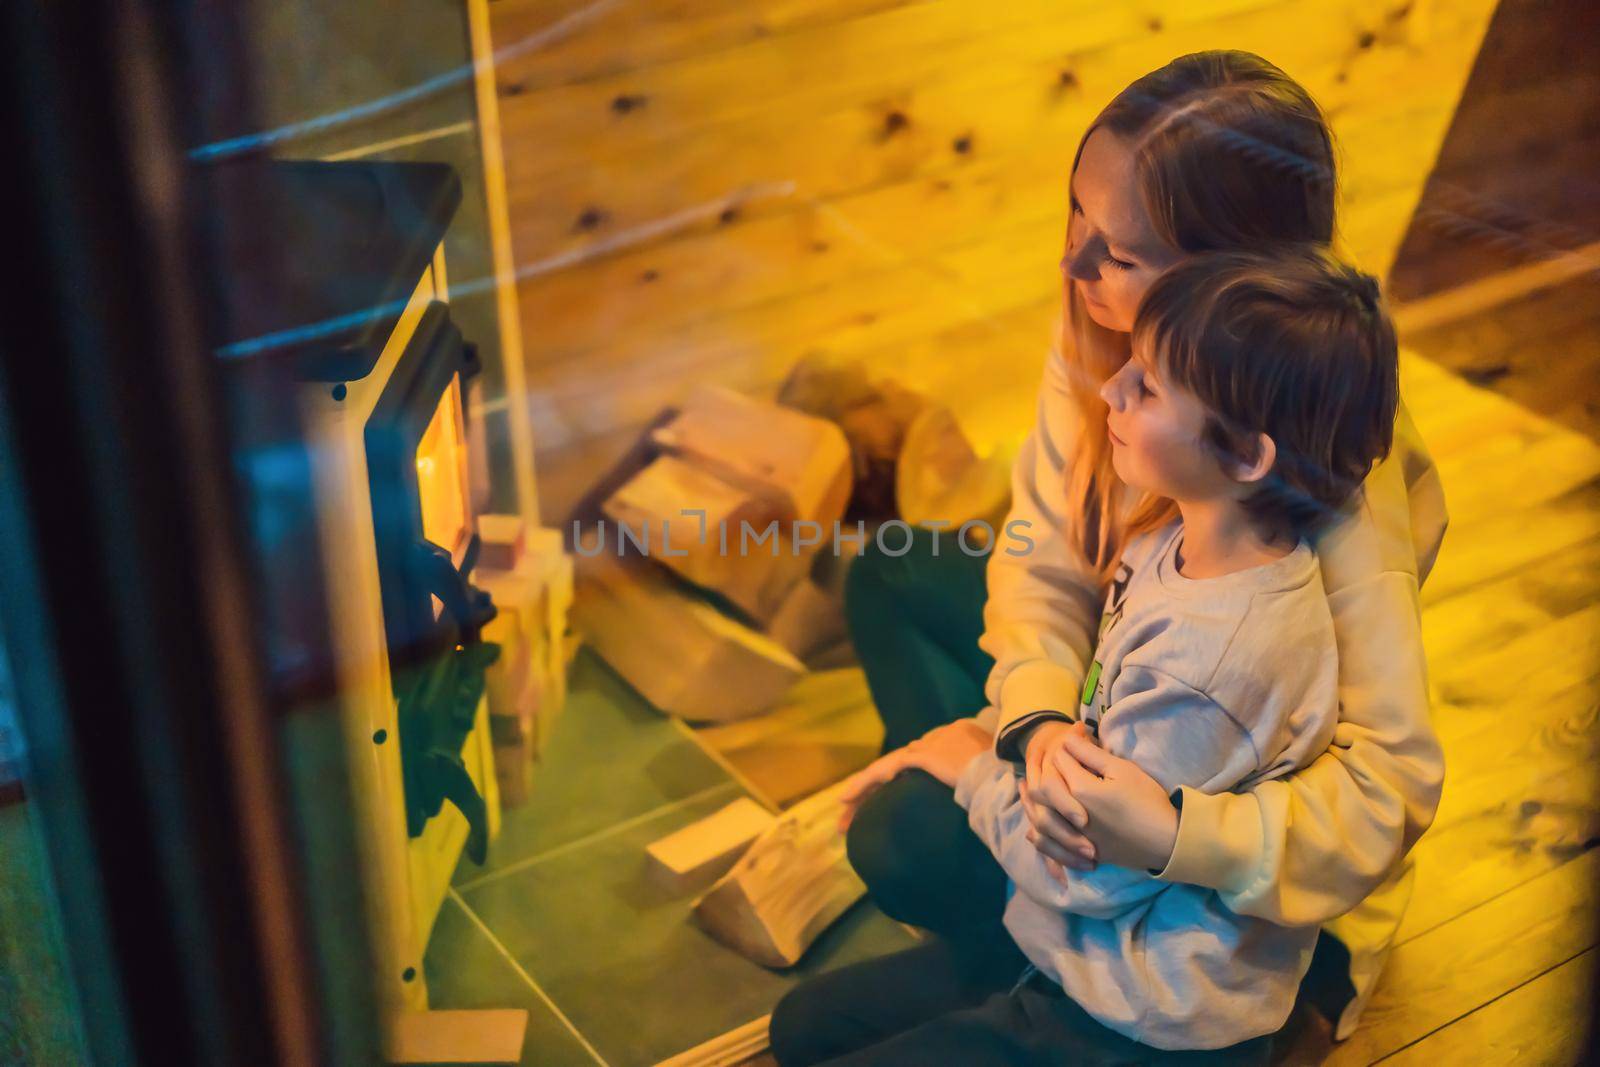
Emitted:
pixel 183 750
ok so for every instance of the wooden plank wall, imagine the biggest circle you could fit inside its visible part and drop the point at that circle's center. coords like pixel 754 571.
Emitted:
pixel 710 189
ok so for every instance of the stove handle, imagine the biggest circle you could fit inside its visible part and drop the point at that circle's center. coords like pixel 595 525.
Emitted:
pixel 468 606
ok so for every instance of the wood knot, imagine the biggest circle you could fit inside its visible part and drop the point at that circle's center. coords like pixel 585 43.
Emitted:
pixel 894 122
pixel 626 103
pixel 649 276
pixel 590 218
pixel 962 144
pixel 727 215
pixel 1486 375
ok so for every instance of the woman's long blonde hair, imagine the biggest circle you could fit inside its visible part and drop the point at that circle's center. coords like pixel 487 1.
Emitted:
pixel 1230 154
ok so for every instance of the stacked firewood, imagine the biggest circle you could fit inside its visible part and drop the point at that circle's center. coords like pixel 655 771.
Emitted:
pixel 712 581
pixel 708 614
pixel 529 575
pixel 702 584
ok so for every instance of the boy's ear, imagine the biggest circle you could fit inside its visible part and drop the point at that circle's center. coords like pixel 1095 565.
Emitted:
pixel 1256 461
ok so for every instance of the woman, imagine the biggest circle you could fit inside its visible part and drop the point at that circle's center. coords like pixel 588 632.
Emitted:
pixel 1217 150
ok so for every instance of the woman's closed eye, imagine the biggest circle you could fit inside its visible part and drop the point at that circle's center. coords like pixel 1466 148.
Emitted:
pixel 1105 249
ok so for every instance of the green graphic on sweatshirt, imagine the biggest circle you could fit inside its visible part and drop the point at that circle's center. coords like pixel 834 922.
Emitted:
pixel 1091 681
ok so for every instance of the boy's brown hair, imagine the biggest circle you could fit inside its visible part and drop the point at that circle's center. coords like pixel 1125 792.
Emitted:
pixel 1294 344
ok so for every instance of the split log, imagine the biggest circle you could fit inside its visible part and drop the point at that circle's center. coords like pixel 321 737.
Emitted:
pixel 513 692
pixel 826 388
pixel 800 462
pixel 545 555
pixel 514 739
pixel 482 1035
pixel 532 628
pixel 685 657
pixel 941 478
pixel 874 417
pixel 810 619
pixel 501 541
pixel 713 553
pixel 792 884
pixel 705 849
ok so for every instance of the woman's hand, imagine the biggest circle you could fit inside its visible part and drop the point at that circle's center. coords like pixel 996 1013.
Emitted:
pixel 1131 820
pixel 943 752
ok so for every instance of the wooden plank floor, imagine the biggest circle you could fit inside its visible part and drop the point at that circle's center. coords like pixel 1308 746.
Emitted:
pixel 1495 962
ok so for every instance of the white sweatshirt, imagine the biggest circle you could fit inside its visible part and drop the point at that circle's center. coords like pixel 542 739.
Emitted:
pixel 1212 684
pixel 1298 849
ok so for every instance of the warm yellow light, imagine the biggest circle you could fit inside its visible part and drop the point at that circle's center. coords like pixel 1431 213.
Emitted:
pixel 442 474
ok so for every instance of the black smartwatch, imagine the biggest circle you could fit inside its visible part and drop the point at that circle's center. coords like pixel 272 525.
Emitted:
pixel 1176 796
pixel 1013 745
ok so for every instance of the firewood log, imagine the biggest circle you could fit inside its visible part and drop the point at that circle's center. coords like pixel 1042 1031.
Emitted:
pixel 810 619
pixel 941 478
pixel 874 417
pixel 791 885
pixel 800 462
pixel 713 552
pixel 685 657
pixel 703 850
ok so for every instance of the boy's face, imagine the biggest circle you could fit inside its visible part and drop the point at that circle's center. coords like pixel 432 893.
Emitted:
pixel 1155 429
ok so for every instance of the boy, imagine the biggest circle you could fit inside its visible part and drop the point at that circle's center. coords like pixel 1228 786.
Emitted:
pixel 1260 391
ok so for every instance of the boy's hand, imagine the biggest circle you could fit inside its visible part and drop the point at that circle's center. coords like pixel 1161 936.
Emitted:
pixel 1056 815
pixel 1053 867
pixel 1135 822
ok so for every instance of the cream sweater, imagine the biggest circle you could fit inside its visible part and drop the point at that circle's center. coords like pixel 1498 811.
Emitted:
pixel 1296 850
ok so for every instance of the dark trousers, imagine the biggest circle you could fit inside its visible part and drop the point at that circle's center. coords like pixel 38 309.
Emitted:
pixel 939 1003
pixel 915 621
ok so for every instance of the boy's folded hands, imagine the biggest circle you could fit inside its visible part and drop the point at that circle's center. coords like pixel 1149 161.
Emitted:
pixel 1057 816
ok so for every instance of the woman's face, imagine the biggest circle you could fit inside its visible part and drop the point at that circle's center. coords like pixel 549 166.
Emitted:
pixel 1113 253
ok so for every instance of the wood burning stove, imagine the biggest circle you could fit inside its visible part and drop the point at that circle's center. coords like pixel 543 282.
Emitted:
pixel 422 526
pixel 363 323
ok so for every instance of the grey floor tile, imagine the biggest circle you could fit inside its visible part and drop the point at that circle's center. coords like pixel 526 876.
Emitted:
pixel 465 970
pixel 622 958
pixel 611 757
